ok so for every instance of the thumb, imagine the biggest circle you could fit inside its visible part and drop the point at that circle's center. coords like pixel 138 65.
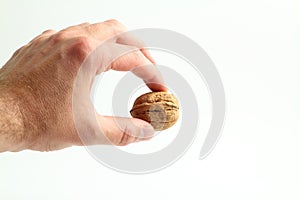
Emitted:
pixel 122 131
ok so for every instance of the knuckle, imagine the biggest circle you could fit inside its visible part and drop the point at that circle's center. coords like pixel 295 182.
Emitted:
pixel 113 22
pixel 82 43
pixel 118 26
pixel 48 31
pixel 123 141
pixel 80 48
pixel 18 51
pixel 37 40
pixel 136 56
pixel 85 24
pixel 59 37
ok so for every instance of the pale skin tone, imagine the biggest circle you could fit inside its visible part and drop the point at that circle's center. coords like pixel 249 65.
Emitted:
pixel 42 81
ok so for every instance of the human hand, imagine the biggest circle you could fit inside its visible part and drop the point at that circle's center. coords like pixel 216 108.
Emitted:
pixel 45 88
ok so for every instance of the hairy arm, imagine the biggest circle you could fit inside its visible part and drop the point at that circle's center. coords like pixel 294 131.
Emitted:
pixel 11 123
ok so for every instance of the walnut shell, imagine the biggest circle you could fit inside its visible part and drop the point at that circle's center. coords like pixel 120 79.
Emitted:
pixel 160 109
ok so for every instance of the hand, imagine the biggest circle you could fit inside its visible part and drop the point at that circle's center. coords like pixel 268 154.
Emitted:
pixel 45 86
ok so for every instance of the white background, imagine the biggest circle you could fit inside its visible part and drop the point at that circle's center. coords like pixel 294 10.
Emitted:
pixel 255 46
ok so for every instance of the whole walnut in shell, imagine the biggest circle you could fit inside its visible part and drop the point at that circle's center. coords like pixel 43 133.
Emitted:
pixel 160 109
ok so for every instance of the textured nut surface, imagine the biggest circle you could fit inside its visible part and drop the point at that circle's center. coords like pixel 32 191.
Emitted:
pixel 160 109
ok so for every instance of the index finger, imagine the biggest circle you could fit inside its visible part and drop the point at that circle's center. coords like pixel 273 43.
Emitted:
pixel 151 76
pixel 128 38
pixel 130 58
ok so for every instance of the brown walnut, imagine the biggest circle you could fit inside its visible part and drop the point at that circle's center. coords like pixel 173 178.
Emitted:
pixel 160 109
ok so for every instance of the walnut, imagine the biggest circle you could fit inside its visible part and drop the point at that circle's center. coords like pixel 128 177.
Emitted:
pixel 160 109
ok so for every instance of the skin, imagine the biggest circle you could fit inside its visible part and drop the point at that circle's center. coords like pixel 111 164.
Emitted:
pixel 45 87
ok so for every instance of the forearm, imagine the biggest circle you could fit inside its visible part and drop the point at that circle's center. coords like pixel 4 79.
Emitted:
pixel 11 123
